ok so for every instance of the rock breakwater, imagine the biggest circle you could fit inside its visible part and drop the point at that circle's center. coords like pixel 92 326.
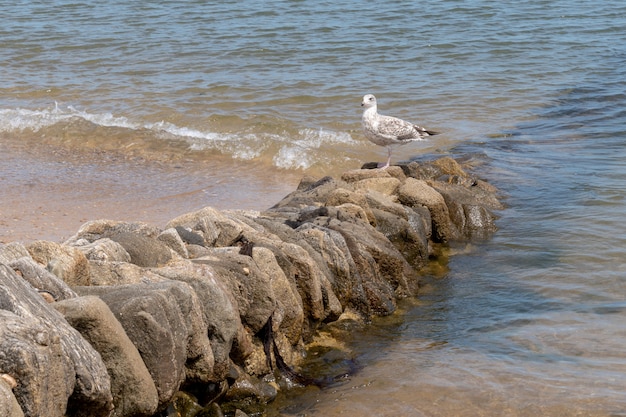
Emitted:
pixel 127 319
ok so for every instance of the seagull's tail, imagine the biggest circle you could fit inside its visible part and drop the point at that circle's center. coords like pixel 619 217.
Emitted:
pixel 426 132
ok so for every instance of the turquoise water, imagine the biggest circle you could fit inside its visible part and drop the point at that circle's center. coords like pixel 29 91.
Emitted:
pixel 529 323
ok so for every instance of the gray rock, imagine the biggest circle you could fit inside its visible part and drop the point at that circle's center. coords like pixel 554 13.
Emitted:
pixel 408 237
pixel 143 250
pixel 288 315
pixel 469 209
pixel 164 322
pixel 249 285
pixel 58 373
pixel 314 194
pixel 134 392
pixel 217 304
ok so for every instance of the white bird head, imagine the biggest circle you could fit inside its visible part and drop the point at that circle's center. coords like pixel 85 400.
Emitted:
pixel 368 101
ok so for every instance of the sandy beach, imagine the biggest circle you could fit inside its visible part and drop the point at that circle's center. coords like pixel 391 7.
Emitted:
pixel 50 191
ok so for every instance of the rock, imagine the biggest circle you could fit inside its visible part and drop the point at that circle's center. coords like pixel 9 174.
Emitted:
pixel 211 410
pixel 468 212
pixel 119 273
pixel 387 186
pixel 98 229
pixel 342 196
pixel 173 240
pixel 313 195
pixel 41 279
pixel 408 237
pixel 415 193
pixel 8 403
pixel 134 392
pixel 248 393
pixel 249 285
pixel 343 272
pixel 165 323
pixel 12 252
pixel 218 306
pixel 57 372
pixel 216 228
pixel 103 250
pixel 65 262
pixel 144 251
pixel 288 315
pixel 184 405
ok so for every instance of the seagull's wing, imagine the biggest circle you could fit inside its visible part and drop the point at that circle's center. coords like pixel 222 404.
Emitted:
pixel 397 128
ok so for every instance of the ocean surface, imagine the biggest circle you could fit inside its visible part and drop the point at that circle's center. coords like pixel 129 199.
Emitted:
pixel 232 102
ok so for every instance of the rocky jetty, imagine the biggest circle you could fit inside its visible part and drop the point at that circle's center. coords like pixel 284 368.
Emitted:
pixel 128 319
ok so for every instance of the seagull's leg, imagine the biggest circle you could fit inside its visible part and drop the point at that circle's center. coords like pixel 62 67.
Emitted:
pixel 388 157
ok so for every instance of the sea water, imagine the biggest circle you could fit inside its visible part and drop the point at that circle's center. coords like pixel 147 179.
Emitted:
pixel 260 93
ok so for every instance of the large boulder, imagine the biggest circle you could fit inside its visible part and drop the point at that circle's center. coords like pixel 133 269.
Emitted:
pixel 134 392
pixel 218 307
pixel 165 323
pixel 58 372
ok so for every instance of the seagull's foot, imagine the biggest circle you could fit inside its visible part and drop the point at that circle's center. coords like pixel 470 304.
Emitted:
pixel 383 166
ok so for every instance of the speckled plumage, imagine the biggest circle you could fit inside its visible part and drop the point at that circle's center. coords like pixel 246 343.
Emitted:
pixel 386 130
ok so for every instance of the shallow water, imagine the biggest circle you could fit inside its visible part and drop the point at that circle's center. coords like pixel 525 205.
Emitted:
pixel 240 99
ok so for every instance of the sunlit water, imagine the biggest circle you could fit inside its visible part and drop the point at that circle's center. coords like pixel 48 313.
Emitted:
pixel 529 323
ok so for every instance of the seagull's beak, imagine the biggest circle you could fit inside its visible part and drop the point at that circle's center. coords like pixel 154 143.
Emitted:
pixel 362 104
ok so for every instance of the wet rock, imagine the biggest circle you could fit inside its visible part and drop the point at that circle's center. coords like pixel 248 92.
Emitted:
pixel 67 263
pixel 248 393
pixel 183 404
pixel 469 209
pixel 211 410
pixel 134 392
pixel 57 372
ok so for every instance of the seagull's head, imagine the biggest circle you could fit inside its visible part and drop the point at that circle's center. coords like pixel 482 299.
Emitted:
pixel 368 101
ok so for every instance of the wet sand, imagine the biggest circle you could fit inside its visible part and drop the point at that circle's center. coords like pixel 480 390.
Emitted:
pixel 49 192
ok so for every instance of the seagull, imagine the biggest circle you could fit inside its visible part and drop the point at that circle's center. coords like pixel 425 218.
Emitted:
pixel 386 130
